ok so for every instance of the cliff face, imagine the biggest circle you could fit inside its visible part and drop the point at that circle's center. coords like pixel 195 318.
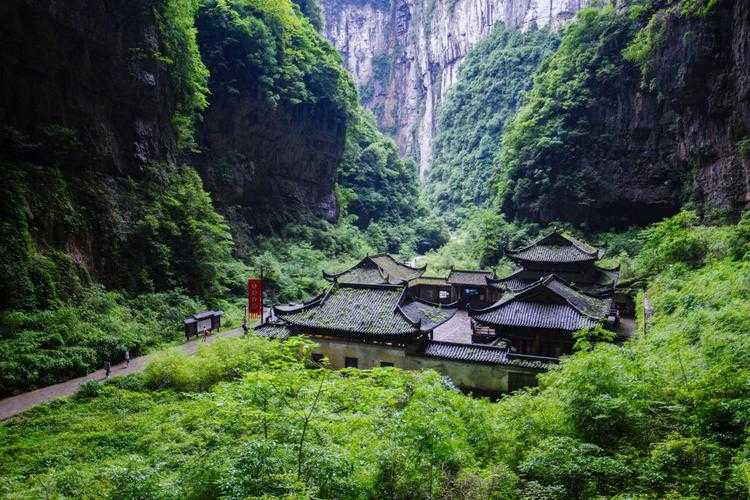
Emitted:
pixel 702 74
pixel 78 65
pixel 92 181
pixel 405 54
pixel 266 152
pixel 606 140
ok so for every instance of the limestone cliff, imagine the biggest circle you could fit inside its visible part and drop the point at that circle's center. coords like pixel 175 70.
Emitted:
pixel 405 54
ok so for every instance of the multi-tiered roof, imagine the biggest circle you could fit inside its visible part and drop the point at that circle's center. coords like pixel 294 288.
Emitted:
pixel 548 304
pixel 572 260
pixel 554 249
pixel 465 277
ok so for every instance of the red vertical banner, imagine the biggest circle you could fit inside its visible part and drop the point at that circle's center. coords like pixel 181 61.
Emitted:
pixel 255 297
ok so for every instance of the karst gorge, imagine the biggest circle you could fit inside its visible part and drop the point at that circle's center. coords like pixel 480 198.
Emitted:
pixel 375 249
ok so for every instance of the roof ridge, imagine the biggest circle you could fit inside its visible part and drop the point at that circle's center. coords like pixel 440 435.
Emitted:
pixel 395 260
pixel 576 290
pixel 450 305
pixel 383 286
pixel 580 245
pixel 398 309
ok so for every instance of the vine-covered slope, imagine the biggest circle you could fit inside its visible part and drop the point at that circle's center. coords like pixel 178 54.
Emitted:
pixel 105 112
pixel 494 76
pixel 636 114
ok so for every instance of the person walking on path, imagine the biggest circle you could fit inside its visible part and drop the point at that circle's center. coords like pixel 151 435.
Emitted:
pixel 205 334
pixel 107 368
pixel 127 358
pixel 244 326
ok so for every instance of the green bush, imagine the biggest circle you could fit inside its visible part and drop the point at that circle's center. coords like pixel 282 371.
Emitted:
pixel 45 347
pixel 665 415
pixel 223 359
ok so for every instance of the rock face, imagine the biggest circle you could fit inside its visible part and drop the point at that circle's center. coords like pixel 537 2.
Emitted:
pixel 269 162
pixel 75 65
pixel 702 74
pixel 682 133
pixel 405 54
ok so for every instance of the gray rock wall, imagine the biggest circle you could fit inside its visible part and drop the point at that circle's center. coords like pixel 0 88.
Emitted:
pixel 406 54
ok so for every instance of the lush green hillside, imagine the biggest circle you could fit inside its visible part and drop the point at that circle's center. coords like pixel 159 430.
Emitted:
pixel 606 137
pixel 100 189
pixel 493 79
pixel 665 415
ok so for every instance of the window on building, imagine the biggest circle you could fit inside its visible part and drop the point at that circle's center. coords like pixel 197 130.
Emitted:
pixel 351 362
pixel 443 294
pixel 385 364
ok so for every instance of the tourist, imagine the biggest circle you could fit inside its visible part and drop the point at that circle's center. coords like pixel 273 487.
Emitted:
pixel 244 326
pixel 127 358
pixel 107 369
pixel 205 334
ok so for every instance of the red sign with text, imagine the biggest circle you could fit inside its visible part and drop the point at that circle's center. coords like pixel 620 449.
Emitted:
pixel 255 297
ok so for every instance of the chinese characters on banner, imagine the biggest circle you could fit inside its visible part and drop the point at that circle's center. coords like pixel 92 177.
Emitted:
pixel 254 297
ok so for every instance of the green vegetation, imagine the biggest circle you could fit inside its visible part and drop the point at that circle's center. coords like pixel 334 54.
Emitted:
pixel 311 10
pixel 381 189
pixel 664 416
pixel 552 149
pixel 156 231
pixel 494 77
pixel 189 75
pixel 267 48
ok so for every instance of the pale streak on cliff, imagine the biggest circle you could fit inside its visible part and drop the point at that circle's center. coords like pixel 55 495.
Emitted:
pixel 406 54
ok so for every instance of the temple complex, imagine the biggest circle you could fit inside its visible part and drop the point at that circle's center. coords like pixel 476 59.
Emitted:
pixel 488 334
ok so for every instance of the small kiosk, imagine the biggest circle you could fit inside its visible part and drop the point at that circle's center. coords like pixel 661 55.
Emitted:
pixel 202 320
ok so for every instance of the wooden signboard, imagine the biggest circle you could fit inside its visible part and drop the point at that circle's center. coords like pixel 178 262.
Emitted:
pixel 255 297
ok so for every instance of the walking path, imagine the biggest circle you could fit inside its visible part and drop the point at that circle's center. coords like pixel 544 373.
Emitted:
pixel 14 405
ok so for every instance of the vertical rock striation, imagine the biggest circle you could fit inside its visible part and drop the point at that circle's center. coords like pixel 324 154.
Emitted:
pixel 405 54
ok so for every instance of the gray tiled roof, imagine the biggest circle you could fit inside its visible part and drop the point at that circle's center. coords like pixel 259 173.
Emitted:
pixel 593 281
pixel 532 308
pixel 469 278
pixel 363 309
pixel 556 247
pixel 475 353
pixel 428 280
pixel 275 330
pixel 431 315
pixel 377 269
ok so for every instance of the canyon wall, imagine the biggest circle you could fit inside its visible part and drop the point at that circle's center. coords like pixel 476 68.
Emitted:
pixel 405 54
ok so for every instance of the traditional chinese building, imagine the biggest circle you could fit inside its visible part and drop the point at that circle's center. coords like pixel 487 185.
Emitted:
pixel 377 269
pixel 571 260
pixel 381 312
pixel 472 287
pixel 540 319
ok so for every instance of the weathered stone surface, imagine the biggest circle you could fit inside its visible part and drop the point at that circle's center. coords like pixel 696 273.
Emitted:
pixel 77 65
pixel 405 54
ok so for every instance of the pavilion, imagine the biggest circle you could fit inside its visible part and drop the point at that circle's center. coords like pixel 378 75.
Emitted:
pixel 540 319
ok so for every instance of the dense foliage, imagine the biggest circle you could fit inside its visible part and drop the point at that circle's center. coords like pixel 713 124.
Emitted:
pixel 381 189
pixel 494 76
pixel 189 75
pixel 665 415
pixel 156 231
pixel 552 149
pixel 268 48
pixel 40 348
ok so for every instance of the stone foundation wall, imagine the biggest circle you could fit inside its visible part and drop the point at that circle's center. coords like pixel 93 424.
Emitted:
pixel 468 376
